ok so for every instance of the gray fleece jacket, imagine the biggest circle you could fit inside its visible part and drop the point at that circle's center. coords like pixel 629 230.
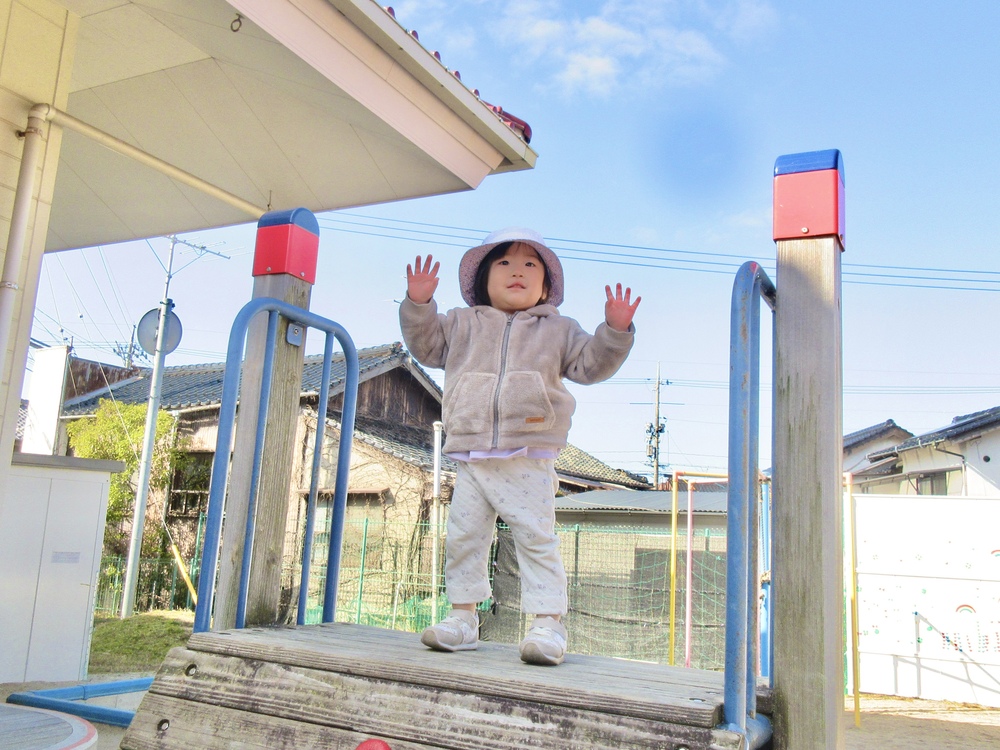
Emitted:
pixel 503 373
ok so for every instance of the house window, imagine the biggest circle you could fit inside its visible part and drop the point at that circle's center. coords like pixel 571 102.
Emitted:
pixel 189 488
pixel 933 484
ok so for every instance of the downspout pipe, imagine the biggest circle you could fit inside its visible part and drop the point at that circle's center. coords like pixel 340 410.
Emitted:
pixel 18 233
pixel 965 479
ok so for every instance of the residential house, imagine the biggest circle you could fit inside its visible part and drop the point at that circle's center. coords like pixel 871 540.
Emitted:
pixel 392 458
pixel 860 444
pixel 959 459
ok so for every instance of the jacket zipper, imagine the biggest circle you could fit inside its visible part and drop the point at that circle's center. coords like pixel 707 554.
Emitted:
pixel 503 370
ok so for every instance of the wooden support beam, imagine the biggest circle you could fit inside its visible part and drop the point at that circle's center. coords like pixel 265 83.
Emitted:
pixel 284 268
pixel 807 564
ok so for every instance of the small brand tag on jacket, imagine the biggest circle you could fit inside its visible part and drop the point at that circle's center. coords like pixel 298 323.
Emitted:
pixel 534 420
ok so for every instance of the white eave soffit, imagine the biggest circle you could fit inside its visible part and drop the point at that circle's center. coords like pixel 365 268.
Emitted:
pixel 359 47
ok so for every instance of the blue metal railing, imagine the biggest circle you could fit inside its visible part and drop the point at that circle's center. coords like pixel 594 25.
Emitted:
pixel 69 700
pixel 224 443
pixel 740 708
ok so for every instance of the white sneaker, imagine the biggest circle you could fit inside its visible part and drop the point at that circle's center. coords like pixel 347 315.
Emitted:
pixel 545 643
pixel 459 631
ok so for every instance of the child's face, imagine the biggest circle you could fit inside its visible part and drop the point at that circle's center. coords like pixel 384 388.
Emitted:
pixel 517 280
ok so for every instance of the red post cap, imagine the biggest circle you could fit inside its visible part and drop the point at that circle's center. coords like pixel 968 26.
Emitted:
pixel 373 745
pixel 287 242
pixel 809 195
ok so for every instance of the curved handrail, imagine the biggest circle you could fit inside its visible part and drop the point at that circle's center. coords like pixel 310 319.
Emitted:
pixel 224 445
pixel 740 708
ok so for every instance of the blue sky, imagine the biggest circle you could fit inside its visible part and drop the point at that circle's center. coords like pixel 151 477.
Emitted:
pixel 657 125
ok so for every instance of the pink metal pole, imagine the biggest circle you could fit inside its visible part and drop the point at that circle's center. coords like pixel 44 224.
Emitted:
pixel 688 613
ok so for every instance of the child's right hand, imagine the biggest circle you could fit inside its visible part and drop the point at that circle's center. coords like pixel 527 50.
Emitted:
pixel 420 284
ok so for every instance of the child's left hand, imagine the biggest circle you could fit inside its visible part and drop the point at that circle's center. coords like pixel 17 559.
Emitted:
pixel 618 311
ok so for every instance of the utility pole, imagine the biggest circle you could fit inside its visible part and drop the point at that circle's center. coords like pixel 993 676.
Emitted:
pixel 653 431
pixel 149 435
pixel 149 441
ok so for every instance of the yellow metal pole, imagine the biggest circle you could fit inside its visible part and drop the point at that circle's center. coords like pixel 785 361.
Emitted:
pixel 677 475
pixel 184 573
pixel 852 561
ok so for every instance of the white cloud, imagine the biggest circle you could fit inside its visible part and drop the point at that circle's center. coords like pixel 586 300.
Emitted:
pixel 600 32
pixel 601 47
pixel 682 57
pixel 745 20
pixel 621 44
pixel 594 74
pixel 539 37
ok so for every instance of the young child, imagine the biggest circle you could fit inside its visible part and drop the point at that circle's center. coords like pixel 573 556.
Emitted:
pixel 506 415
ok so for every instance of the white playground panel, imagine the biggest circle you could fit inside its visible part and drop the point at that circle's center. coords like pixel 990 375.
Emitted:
pixel 929 596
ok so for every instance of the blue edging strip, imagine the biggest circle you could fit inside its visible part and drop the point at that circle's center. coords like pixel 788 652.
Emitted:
pixel 810 161
pixel 68 699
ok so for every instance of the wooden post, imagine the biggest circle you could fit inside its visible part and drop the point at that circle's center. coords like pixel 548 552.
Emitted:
pixel 284 268
pixel 807 568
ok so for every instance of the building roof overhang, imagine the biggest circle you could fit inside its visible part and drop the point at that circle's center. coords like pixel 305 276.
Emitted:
pixel 323 104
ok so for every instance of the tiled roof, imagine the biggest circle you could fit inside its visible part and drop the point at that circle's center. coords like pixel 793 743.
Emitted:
pixel 519 126
pixel 191 386
pixel 651 501
pixel 871 433
pixel 415 446
pixel 576 462
pixel 960 427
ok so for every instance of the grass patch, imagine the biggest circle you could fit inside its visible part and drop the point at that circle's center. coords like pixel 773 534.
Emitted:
pixel 139 643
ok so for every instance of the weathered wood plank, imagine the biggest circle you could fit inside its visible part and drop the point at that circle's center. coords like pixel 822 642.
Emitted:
pixel 455 718
pixel 647 691
pixel 207 727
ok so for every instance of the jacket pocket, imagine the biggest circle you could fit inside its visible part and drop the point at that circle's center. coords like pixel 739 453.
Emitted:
pixel 524 404
pixel 469 409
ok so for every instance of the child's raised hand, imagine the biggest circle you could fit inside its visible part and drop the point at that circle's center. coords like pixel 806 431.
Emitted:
pixel 421 283
pixel 618 310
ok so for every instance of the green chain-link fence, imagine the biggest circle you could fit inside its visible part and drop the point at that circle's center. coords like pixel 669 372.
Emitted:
pixel 619 587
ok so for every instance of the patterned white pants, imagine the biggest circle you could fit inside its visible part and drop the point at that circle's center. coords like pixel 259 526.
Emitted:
pixel 522 492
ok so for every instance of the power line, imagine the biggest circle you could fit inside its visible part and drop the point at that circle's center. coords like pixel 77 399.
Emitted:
pixel 445 237
pixel 115 288
pixel 100 293
pixel 667 250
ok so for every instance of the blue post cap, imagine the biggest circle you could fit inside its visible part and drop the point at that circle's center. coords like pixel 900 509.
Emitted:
pixel 300 217
pixel 810 161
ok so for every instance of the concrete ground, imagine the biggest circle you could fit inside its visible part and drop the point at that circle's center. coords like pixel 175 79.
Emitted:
pixel 887 723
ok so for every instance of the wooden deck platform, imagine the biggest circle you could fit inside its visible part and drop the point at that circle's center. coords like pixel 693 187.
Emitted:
pixel 333 686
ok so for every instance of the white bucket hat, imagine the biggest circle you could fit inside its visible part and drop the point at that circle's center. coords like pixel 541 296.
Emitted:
pixel 474 256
